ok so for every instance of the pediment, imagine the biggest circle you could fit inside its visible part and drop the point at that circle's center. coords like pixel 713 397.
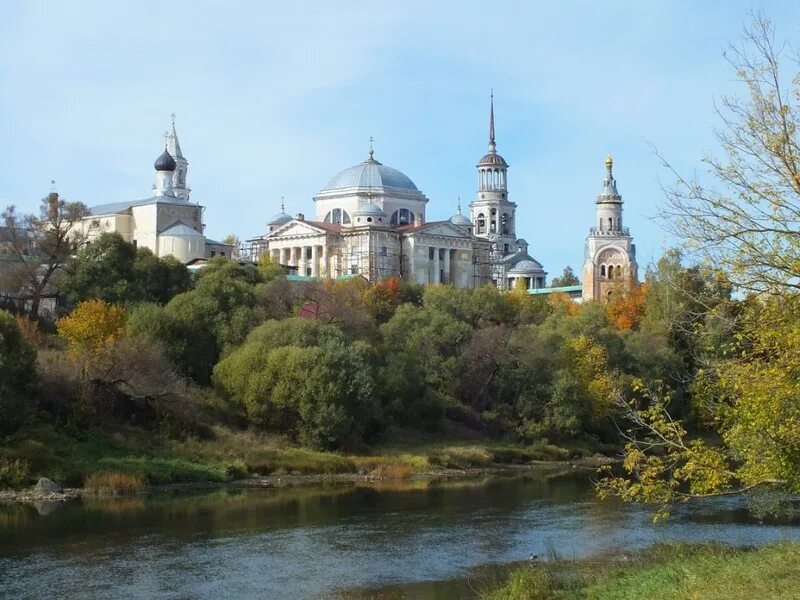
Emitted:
pixel 445 229
pixel 294 228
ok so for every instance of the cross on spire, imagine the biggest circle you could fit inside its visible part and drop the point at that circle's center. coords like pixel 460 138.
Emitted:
pixel 283 205
pixel 371 150
pixel 172 118
pixel 459 205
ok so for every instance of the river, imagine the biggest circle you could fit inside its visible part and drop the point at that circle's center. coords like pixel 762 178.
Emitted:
pixel 392 540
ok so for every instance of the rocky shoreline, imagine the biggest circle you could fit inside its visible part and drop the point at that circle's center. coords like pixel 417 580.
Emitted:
pixel 49 491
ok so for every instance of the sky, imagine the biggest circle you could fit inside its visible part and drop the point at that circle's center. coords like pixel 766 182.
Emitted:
pixel 274 98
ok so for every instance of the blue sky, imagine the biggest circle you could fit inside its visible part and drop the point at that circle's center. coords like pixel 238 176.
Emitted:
pixel 274 98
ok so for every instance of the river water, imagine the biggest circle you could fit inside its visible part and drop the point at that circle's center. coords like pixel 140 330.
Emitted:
pixel 346 540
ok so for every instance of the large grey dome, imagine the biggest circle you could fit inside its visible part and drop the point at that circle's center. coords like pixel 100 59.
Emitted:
pixel 370 174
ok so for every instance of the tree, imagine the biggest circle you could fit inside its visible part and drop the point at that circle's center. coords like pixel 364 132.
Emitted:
pixel 626 309
pixel 103 270
pixel 114 270
pixel 159 279
pixel 196 327
pixel 747 225
pixel 17 373
pixel 91 326
pixel 567 278
pixel 743 357
pixel 325 396
pixel 42 244
pixel 234 241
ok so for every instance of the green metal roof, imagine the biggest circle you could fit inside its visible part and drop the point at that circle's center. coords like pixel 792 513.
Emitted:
pixel 567 289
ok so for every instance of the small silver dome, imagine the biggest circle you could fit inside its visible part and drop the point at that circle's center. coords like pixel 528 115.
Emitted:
pixel 459 219
pixel 526 267
pixel 279 219
pixel 367 209
pixel 493 159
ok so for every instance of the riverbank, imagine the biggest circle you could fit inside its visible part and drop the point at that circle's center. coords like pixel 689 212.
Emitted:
pixel 250 459
pixel 662 572
pixel 31 495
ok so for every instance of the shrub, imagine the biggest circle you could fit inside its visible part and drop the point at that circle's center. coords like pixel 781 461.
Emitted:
pixel 91 326
pixel 392 471
pixel 14 473
pixel 17 373
pixel 113 483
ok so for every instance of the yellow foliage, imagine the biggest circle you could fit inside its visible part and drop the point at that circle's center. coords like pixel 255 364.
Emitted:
pixel 92 326
pixel 591 364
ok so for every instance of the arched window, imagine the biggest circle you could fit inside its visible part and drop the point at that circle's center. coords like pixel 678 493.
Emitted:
pixel 337 215
pixel 402 217
pixel 481 223
pixel 602 270
pixel 618 271
pixel 493 221
pixel 504 220
pixel 611 271
pixel 610 224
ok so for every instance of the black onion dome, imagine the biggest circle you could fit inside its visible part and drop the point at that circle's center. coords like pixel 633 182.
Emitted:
pixel 165 162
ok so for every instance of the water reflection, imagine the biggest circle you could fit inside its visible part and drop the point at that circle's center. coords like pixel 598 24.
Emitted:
pixel 313 541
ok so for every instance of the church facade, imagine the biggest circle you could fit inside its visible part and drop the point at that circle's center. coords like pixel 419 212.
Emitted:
pixel 370 221
pixel 166 222
pixel 610 254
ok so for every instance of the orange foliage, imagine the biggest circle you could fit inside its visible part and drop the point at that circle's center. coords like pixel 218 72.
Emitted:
pixel 30 331
pixel 92 326
pixel 564 302
pixel 382 298
pixel 625 311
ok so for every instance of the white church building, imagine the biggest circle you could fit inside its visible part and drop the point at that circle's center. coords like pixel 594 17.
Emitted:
pixel 166 222
pixel 370 220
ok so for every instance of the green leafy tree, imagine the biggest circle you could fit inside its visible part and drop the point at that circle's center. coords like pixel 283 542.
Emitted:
pixel 115 271
pixel 323 396
pixel 743 357
pixel 160 279
pixel 17 373
pixel 567 278
pixel 195 328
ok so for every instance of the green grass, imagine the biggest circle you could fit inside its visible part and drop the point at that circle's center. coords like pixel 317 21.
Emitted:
pixel 69 456
pixel 665 572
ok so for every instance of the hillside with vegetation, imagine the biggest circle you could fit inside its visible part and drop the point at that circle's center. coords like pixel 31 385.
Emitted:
pixel 240 371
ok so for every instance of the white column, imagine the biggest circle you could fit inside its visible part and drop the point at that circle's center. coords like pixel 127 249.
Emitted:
pixel 315 261
pixel 292 257
pixel 447 266
pixel 437 270
pixel 303 264
pixel 326 268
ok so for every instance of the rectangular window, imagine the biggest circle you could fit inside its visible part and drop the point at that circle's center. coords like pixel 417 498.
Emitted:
pixel 213 253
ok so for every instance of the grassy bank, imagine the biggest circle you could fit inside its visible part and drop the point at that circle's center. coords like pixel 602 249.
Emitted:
pixel 664 572
pixel 73 457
